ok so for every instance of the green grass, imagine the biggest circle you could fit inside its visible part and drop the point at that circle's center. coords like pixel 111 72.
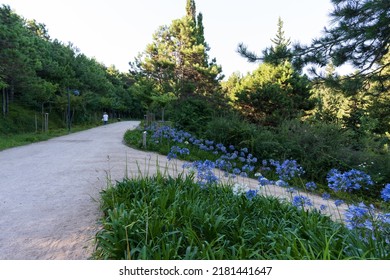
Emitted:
pixel 173 218
pixel 14 140
pixel 22 126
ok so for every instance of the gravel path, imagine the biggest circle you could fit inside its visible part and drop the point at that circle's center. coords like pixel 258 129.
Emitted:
pixel 49 191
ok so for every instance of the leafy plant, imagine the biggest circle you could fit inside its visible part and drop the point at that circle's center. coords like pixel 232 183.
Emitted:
pixel 176 218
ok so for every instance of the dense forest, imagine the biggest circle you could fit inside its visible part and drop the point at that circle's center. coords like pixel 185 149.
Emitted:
pixel 294 105
pixel 39 75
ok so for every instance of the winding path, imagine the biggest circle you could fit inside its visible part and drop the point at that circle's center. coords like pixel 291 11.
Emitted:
pixel 49 191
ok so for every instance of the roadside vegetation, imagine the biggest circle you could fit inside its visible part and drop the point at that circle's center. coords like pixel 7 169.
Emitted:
pixel 294 121
pixel 176 218
pixel 325 134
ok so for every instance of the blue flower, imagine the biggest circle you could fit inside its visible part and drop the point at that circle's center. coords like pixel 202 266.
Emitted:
pixel 263 181
pixel 242 159
pixel 205 172
pixel 236 171
pixel 291 190
pixel 281 183
pixel 221 147
pixel 323 207
pixel 338 202
pixel 348 181
pixel 310 186
pixel 288 169
pixel 385 193
pixel 384 218
pixel 301 201
pixel 251 194
pixel 356 215
pixel 248 168
pixel 325 196
pixel 175 150
pixel 233 156
pixel 203 147
pixel 171 155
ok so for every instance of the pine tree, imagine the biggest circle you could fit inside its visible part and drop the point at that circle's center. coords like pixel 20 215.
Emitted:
pixel 280 52
pixel 191 9
pixel 177 59
pixel 276 54
pixel 360 35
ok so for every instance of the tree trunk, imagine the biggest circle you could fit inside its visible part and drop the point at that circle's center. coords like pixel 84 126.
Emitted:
pixel 12 91
pixel 5 102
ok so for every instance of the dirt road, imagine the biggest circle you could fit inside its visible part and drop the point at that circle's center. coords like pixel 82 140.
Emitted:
pixel 48 192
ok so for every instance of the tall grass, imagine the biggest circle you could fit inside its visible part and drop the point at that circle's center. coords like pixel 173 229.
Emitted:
pixel 174 218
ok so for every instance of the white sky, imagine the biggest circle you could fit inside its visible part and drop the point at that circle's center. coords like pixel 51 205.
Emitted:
pixel 115 31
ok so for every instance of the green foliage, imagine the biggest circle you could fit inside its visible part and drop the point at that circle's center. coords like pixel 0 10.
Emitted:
pixel 317 147
pixel 363 109
pixel 38 72
pixel 191 113
pixel 175 219
pixel 359 35
pixel 280 52
pixel 177 63
pixel 272 94
pixel 231 129
pixel 14 140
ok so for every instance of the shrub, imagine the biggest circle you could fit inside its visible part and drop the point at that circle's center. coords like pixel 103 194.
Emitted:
pixel 191 114
pixel 231 129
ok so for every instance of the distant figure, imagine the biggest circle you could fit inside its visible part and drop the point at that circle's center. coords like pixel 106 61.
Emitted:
pixel 105 118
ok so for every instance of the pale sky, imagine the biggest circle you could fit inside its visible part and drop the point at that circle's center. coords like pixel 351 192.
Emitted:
pixel 115 31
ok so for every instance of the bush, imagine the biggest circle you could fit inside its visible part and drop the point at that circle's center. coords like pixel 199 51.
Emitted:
pixel 191 114
pixel 231 129
pixel 318 147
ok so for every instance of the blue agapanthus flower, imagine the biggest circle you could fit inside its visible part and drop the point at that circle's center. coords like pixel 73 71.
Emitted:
pixel 338 202
pixel 287 169
pixel 281 183
pixel 301 201
pixel 263 181
pixel 356 216
pixel 175 150
pixel 205 172
pixel 348 181
pixel 251 194
pixel 325 196
pixel 310 186
pixel 385 193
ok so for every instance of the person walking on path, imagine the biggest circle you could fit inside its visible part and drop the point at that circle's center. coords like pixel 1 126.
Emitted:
pixel 105 118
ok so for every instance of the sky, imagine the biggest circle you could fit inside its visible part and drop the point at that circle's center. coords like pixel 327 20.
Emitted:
pixel 114 32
